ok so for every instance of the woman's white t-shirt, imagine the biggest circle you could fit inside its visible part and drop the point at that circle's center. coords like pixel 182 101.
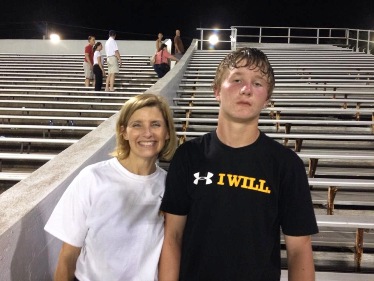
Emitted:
pixel 97 54
pixel 114 216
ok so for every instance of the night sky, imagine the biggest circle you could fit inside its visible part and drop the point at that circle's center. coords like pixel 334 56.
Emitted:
pixel 142 20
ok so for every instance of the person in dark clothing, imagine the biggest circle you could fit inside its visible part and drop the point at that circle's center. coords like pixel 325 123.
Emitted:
pixel 231 192
pixel 162 65
pixel 178 44
pixel 98 68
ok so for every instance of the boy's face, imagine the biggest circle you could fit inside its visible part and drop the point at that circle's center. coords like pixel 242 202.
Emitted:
pixel 242 94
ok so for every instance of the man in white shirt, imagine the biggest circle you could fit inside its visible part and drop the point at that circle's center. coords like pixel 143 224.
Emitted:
pixel 113 60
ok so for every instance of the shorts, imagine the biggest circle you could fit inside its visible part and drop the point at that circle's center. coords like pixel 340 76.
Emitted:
pixel 88 73
pixel 112 65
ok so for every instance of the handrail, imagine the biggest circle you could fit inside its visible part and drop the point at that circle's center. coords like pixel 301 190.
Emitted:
pixel 358 40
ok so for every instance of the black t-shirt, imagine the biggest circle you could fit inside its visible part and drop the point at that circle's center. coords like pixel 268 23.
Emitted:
pixel 236 200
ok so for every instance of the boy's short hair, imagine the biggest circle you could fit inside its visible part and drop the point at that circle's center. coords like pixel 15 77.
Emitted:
pixel 122 149
pixel 252 58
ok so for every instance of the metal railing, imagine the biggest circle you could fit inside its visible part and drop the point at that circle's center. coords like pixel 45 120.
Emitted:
pixel 358 40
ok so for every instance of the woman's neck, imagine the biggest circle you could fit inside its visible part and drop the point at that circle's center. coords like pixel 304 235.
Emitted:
pixel 142 167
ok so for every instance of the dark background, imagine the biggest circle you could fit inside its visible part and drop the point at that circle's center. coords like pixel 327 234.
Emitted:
pixel 142 20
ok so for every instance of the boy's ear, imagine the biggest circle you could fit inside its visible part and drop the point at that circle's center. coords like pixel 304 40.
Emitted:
pixel 217 95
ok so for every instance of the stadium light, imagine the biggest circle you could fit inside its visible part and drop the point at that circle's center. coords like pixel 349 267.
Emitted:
pixel 213 39
pixel 55 38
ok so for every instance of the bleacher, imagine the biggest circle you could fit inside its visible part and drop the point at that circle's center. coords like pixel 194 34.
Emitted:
pixel 323 108
pixel 44 107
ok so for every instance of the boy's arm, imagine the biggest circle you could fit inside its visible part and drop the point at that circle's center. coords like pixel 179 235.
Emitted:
pixel 300 258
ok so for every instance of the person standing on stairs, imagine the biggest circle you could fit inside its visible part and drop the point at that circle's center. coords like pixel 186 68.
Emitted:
pixel 88 61
pixel 114 60
pixel 98 68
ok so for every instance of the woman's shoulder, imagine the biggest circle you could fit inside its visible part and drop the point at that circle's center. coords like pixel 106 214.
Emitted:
pixel 166 52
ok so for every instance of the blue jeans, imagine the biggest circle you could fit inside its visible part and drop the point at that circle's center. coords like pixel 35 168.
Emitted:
pixel 161 69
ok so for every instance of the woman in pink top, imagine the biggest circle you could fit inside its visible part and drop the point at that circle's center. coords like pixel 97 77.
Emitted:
pixel 161 65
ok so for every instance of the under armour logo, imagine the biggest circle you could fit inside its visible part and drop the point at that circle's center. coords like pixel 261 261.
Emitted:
pixel 207 178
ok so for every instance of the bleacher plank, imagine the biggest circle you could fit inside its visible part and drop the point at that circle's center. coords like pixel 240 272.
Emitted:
pixel 52 118
pixel 289 92
pixel 45 127
pixel 29 141
pixel 359 223
pixel 16 176
pixel 20 156
pixel 58 111
pixel 55 104
pixel 42 157
pixel 335 276
pixel 78 87
pixel 299 138
pixel 285 122
pixel 302 101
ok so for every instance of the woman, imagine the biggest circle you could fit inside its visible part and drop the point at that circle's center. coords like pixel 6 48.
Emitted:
pixel 98 68
pixel 159 41
pixel 108 218
pixel 161 65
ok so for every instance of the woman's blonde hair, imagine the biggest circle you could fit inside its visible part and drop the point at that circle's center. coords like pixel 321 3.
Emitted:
pixel 122 149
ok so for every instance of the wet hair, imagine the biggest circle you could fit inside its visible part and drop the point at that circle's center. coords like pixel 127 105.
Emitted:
pixel 122 149
pixel 251 58
pixel 97 44
pixel 163 45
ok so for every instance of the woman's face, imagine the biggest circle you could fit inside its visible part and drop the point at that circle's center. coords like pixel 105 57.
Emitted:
pixel 146 132
pixel 99 48
pixel 160 35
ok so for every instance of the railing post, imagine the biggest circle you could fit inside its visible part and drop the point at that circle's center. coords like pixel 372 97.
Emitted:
pixel 236 38
pixel 368 45
pixel 289 36
pixel 358 35
pixel 317 36
pixel 233 38
pixel 347 36
pixel 259 37
pixel 201 38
